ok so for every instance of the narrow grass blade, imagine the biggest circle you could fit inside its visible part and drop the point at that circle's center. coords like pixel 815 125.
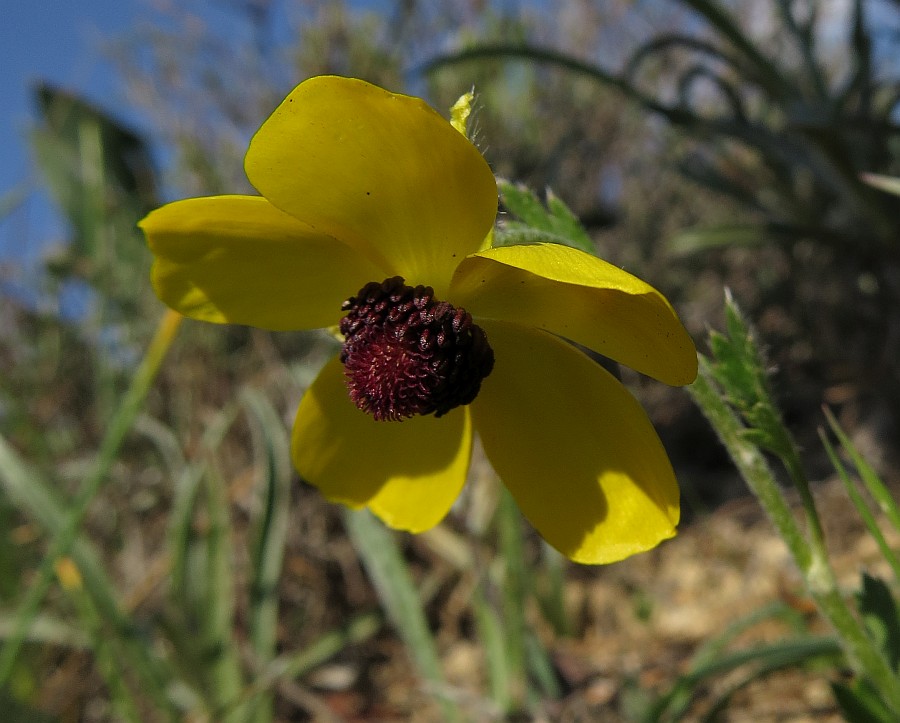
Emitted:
pixel 530 669
pixel 873 482
pixel 492 636
pixel 804 33
pixel 888 184
pixel 187 487
pixel 105 647
pixel 185 622
pixel 515 592
pixel 860 703
pixel 540 666
pixel 272 446
pixel 669 41
pixel 765 658
pixel 166 442
pixel 862 508
pixel 778 611
pixel 698 240
pixel 772 662
pixel 389 574
pixel 34 496
pixel 550 588
pixel 65 533
pixel 218 592
pixel 48 630
pixel 290 666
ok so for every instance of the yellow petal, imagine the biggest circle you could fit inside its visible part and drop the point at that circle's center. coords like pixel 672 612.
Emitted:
pixel 378 171
pixel 582 298
pixel 408 473
pixel 574 448
pixel 239 260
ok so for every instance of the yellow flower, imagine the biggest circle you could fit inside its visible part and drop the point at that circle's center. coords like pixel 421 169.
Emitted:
pixel 361 186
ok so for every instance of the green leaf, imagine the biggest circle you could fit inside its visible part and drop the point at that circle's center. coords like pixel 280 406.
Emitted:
pixel 270 439
pixel 125 173
pixel 102 177
pixel 40 499
pixel 884 183
pixel 293 665
pixel 553 223
pixel 188 605
pixel 390 575
pixel 216 585
pixel 873 482
pixel 516 589
pixel 492 638
pixel 860 703
pixel 549 584
pixel 879 611
pixel 761 660
pixel 859 502
pixel 706 239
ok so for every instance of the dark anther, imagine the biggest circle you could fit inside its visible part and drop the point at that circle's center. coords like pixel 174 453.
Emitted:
pixel 406 353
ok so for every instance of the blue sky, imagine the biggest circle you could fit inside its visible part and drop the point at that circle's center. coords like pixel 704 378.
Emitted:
pixel 58 41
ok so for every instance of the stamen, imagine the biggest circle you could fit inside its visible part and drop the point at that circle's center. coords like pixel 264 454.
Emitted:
pixel 405 353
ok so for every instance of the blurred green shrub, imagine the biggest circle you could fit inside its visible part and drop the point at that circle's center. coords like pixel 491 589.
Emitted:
pixel 102 177
pixel 781 122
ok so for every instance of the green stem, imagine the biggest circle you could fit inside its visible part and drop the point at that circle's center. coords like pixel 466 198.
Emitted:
pixel 816 539
pixel 61 544
pixel 862 654
pixel 751 464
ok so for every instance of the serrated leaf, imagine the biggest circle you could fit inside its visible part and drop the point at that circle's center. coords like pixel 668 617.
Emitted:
pixel 522 203
pixel 567 223
pixel 515 234
pixel 553 223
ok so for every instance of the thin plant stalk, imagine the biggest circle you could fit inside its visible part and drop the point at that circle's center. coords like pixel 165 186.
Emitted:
pixel 864 656
pixel 751 464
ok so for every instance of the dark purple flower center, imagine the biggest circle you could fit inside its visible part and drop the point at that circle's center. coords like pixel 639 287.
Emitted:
pixel 405 353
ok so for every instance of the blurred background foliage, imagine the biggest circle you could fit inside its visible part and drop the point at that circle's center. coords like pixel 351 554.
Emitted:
pixel 701 144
